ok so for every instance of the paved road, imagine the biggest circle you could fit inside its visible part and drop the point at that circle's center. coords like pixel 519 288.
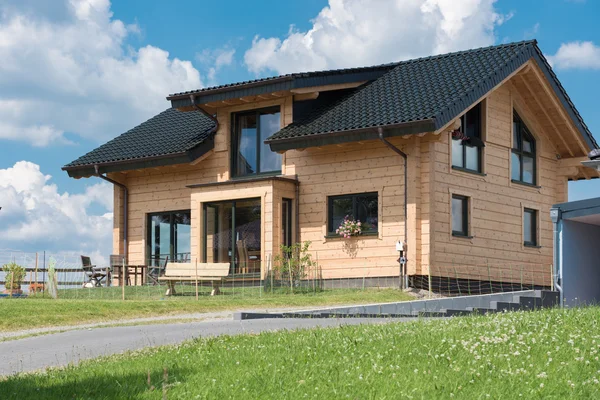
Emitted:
pixel 59 349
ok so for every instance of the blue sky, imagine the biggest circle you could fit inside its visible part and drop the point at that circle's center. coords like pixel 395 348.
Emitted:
pixel 79 72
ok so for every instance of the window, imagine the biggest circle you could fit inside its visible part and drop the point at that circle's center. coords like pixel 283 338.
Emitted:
pixel 286 222
pixel 523 153
pixel 169 236
pixel 251 156
pixel 460 215
pixel 362 207
pixel 232 234
pixel 530 227
pixel 466 146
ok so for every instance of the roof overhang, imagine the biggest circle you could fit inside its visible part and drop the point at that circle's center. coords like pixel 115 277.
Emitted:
pixel 355 135
pixel 586 211
pixel 186 157
pixel 280 84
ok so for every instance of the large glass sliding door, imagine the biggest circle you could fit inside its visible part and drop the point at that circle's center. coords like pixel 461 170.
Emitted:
pixel 233 234
pixel 168 236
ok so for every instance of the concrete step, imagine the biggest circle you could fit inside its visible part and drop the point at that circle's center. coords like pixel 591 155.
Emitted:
pixel 479 310
pixel 504 306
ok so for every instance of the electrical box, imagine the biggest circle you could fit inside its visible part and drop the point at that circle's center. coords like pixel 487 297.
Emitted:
pixel 399 246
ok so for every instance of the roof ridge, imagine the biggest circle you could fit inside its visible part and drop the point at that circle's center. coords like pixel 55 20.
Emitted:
pixel 390 65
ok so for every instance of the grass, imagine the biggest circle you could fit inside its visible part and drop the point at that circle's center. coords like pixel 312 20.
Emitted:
pixel 550 354
pixel 87 306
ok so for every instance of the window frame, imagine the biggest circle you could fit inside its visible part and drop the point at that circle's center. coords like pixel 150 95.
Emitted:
pixel 534 227
pixel 234 141
pixel 330 229
pixel 463 124
pixel 465 216
pixel 173 243
pixel 287 223
pixel 520 153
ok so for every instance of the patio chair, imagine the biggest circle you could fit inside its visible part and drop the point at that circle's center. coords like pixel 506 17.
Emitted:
pixel 94 274
pixel 116 265
pixel 155 272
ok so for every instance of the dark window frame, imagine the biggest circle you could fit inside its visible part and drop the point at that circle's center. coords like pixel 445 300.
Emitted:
pixel 463 125
pixel 465 216
pixel 172 233
pixel 534 223
pixel 234 141
pixel 330 199
pixel 522 131
pixel 287 222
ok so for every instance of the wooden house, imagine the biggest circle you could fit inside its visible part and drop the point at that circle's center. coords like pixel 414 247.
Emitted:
pixel 460 156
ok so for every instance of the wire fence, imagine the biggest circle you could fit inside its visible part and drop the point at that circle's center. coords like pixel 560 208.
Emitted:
pixel 62 276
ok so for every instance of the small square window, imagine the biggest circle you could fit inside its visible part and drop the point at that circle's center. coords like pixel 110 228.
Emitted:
pixel 460 215
pixel 530 227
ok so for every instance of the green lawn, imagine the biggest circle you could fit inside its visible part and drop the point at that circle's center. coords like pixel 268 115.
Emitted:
pixel 551 354
pixel 91 305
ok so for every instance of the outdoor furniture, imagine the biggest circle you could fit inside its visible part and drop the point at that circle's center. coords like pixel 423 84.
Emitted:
pixel 186 272
pixel 154 272
pixel 94 274
pixel 137 270
pixel 116 264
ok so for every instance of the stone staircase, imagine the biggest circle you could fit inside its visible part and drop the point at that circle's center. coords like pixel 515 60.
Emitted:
pixel 442 307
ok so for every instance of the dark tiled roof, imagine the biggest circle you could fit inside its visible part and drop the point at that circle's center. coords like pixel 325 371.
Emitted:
pixel 292 76
pixel 170 132
pixel 436 89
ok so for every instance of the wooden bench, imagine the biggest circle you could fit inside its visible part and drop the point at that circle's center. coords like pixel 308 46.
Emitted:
pixel 186 272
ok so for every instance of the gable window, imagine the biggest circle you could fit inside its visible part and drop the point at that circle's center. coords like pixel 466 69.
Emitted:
pixel 467 143
pixel 530 227
pixel 523 153
pixel 361 207
pixel 460 215
pixel 251 156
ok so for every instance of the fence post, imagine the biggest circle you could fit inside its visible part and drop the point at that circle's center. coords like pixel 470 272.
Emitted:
pixel 123 278
pixel 196 263
pixel 429 280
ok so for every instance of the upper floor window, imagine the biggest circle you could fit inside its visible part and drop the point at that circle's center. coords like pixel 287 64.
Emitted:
pixel 251 156
pixel 523 153
pixel 466 145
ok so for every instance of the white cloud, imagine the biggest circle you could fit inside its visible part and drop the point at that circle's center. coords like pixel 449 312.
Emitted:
pixel 36 215
pixel 216 59
pixel 532 32
pixel 67 68
pixel 359 32
pixel 576 55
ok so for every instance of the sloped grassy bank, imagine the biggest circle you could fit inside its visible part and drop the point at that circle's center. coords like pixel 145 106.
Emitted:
pixel 546 354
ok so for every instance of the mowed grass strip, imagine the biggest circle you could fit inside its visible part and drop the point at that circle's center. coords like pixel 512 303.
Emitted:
pixel 550 354
pixel 29 313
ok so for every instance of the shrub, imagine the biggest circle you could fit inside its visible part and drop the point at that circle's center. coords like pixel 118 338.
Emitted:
pixel 14 275
pixel 293 264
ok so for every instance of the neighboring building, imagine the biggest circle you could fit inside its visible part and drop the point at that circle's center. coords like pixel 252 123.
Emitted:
pixel 577 250
pixel 490 136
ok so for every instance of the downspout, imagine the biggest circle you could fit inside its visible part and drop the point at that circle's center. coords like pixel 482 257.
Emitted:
pixel 203 111
pixel 125 202
pixel 555 215
pixel 405 157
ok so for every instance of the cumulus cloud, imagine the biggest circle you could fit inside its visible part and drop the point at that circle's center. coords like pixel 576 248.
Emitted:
pixel 215 59
pixel 34 212
pixel 360 32
pixel 576 55
pixel 67 68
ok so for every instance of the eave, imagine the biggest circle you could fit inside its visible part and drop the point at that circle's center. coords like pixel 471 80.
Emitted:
pixel 355 135
pixel 186 157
